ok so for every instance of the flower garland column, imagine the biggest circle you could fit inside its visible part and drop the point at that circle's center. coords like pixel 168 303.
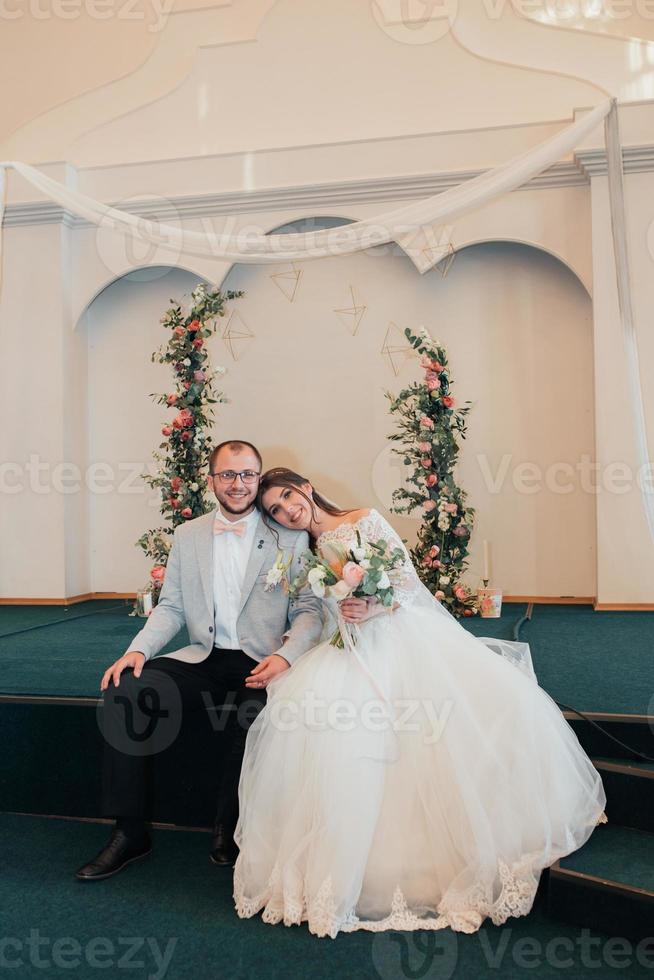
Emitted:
pixel 181 458
pixel 429 426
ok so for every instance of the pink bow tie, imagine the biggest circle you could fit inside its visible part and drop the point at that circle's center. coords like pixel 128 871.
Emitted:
pixel 219 527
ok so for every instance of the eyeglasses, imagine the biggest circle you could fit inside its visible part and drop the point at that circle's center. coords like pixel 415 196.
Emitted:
pixel 228 476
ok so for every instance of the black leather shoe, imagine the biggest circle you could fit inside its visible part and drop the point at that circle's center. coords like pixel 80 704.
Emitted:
pixel 223 849
pixel 118 853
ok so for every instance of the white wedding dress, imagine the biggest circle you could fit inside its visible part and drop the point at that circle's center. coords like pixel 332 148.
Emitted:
pixel 414 780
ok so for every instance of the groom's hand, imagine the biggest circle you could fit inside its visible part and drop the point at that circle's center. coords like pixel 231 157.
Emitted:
pixel 132 659
pixel 266 671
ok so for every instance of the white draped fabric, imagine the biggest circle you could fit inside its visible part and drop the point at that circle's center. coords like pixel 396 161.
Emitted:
pixel 414 227
pixel 399 224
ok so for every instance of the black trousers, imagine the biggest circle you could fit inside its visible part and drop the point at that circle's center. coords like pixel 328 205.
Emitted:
pixel 143 716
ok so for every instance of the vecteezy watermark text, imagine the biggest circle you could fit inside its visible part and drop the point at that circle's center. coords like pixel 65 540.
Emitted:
pixel 99 952
pixel 156 12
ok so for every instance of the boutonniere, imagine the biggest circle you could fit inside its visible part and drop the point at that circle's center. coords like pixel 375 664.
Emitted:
pixel 277 574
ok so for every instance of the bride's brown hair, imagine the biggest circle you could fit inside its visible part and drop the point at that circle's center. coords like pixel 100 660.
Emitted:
pixel 280 476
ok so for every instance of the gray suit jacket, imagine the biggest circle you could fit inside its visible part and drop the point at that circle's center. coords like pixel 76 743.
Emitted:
pixel 187 598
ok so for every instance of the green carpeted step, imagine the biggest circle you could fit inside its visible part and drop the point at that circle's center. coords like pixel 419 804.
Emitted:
pixel 22 617
pixel 593 661
pixel 177 901
pixel 618 854
pixel 69 657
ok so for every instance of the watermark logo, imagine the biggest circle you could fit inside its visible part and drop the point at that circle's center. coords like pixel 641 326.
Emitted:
pixel 421 955
pixel 415 21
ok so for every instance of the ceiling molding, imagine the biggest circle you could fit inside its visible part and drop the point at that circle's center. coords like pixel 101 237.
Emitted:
pixel 303 197
pixel 635 160
pixel 586 164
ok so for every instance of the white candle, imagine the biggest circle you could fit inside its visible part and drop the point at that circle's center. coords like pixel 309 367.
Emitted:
pixel 486 561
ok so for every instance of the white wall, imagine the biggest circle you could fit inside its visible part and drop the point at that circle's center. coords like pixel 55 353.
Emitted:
pixel 226 110
pixel 517 325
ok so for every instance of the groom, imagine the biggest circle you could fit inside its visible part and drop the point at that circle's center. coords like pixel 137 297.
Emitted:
pixel 244 631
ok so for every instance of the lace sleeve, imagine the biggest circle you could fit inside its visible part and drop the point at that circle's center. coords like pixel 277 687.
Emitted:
pixel 404 578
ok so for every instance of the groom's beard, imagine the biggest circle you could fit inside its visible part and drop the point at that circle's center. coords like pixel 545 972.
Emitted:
pixel 237 506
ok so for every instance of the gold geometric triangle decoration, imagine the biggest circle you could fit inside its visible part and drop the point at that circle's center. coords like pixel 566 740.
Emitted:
pixel 288 281
pixel 236 335
pixel 396 348
pixel 351 315
pixel 444 264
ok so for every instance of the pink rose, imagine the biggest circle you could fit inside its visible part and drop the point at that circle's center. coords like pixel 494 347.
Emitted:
pixel 431 480
pixel 199 376
pixel 158 573
pixel 437 366
pixel 426 561
pixel 433 384
pixel 439 594
pixel 448 401
pixel 176 483
pixel 433 551
pixel 426 461
pixel 187 512
pixel 424 447
pixel 186 435
pixel 425 361
pixel 450 508
pixel 426 422
pixel 184 420
pixel 198 343
pixel 461 592
pixel 174 502
pixel 436 563
pixel 193 326
pixel 467 612
pixel 166 430
pixel 179 331
pixel 172 399
pixel 460 531
pixel 353 574
pixel 429 505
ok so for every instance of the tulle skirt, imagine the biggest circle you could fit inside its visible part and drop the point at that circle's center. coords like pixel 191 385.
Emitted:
pixel 419 781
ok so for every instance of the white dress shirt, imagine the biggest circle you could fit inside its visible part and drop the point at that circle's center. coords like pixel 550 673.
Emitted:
pixel 231 553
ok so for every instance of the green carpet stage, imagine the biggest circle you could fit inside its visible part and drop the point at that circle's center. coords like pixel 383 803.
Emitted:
pixel 594 661
pixel 51 662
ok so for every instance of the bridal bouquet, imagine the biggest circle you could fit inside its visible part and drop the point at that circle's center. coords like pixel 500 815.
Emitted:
pixel 364 571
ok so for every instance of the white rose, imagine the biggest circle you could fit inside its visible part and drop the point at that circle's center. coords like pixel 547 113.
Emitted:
pixel 316 575
pixel 444 580
pixel 186 362
pixel 359 553
pixel 195 487
pixel 318 589
pixel 274 576
pixel 384 582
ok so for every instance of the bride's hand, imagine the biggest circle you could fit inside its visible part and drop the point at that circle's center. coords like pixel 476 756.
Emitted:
pixel 358 610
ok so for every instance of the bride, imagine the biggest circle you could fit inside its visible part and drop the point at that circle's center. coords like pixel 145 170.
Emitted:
pixel 417 779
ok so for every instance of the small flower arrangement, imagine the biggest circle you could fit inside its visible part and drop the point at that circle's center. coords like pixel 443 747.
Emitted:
pixel 278 574
pixel 365 571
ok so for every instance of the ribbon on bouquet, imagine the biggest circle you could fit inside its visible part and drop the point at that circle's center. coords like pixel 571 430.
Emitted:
pixel 351 634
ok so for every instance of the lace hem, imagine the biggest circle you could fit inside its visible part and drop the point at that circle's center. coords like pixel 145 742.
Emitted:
pixel 465 913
